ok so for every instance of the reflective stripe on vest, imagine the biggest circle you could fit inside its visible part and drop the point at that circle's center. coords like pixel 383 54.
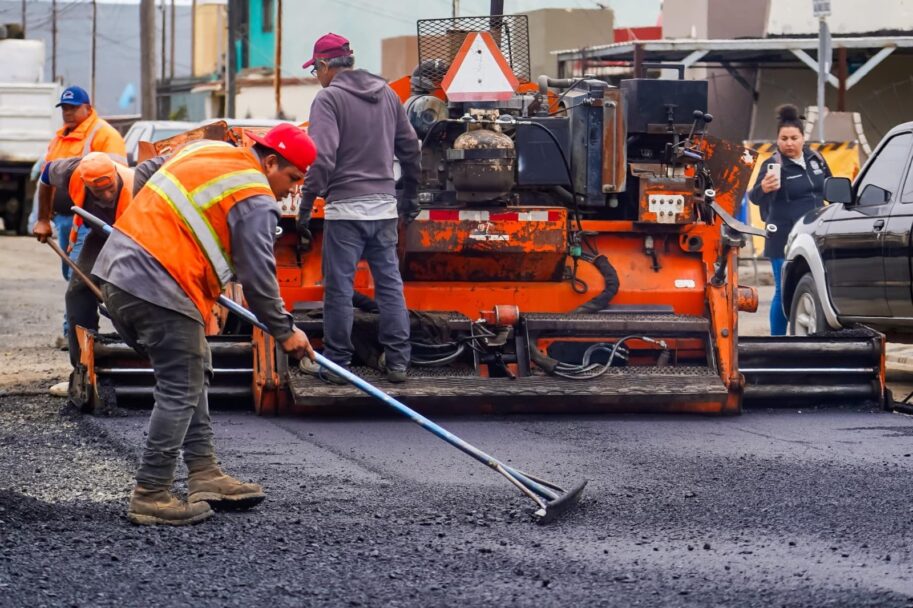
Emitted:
pixel 171 191
pixel 213 191
pixel 197 146
pixel 87 147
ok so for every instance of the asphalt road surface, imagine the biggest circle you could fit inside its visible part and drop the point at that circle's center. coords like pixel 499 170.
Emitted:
pixel 782 507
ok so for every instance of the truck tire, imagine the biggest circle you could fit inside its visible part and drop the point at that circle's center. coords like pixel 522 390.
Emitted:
pixel 806 316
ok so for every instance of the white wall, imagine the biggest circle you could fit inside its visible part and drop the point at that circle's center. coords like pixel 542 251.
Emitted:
pixel 259 101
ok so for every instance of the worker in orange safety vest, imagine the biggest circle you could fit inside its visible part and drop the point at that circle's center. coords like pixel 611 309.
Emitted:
pixel 206 217
pixel 105 189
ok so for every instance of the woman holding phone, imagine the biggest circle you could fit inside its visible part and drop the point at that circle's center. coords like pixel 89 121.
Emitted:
pixel 789 185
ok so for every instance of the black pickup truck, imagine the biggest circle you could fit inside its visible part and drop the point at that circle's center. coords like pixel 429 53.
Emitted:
pixel 850 262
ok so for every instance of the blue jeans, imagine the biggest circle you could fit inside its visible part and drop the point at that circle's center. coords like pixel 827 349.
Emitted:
pixel 777 318
pixel 345 242
pixel 64 224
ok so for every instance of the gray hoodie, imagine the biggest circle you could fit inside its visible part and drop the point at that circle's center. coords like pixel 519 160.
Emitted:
pixel 359 125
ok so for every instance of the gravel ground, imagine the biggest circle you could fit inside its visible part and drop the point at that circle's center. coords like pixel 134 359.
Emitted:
pixel 786 507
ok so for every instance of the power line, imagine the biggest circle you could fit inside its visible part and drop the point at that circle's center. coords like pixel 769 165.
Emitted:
pixel 401 17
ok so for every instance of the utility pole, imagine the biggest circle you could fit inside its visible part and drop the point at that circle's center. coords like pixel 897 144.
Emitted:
pixel 94 42
pixel 232 59
pixel 171 65
pixel 822 9
pixel 164 31
pixel 456 8
pixel 54 40
pixel 193 38
pixel 147 57
pixel 277 70
pixel 23 18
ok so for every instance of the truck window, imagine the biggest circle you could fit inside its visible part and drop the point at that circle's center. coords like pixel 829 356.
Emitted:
pixel 907 193
pixel 882 178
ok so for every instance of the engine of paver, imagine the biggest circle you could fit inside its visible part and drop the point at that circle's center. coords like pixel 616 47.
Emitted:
pixel 574 252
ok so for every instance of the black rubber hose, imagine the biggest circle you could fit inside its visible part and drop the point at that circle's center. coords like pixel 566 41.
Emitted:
pixel 564 195
pixel 545 362
pixel 610 275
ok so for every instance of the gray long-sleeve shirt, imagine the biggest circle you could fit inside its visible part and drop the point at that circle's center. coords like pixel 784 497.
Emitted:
pixel 252 223
pixel 143 171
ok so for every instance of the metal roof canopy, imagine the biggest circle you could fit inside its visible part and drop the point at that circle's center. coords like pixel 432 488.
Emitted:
pixel 747 52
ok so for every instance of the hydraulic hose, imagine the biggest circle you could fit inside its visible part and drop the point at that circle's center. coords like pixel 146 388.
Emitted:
pixel 610 276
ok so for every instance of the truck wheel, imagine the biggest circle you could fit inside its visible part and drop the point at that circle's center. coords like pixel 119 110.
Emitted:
pixel 806 316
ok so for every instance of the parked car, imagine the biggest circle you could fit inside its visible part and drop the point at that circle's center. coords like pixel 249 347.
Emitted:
pixel 850 262
pixel 152 131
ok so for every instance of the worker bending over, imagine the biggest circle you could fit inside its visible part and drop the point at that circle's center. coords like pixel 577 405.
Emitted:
pixel 83 131
pixel 207 216
pixel 103 188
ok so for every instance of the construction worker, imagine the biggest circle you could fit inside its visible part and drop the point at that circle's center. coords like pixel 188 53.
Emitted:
pixel 207 215
pixel 82 132
pixel 359 125
pixel 103 188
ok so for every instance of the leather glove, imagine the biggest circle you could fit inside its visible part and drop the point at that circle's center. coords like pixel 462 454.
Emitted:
pixel 408 208
pixel 305 238
pixel 302 225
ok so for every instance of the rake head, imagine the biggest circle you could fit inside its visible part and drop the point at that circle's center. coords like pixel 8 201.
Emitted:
pixel 554 509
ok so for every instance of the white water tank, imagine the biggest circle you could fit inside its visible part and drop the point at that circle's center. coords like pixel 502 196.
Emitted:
pixel 23 61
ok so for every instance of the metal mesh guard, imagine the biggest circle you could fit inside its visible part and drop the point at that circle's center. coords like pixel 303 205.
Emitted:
pixel 440 39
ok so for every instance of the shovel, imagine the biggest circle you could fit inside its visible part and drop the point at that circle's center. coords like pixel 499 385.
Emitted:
pixel 551 500
pixel 89 283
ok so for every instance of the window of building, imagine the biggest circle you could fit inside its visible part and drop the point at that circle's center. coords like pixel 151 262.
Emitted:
pixel 269 12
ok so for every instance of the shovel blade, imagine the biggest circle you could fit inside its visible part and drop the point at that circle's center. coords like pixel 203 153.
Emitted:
pixel 558 507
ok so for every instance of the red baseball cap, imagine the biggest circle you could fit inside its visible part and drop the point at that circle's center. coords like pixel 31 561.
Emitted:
pixel 291 143
pixel 329 46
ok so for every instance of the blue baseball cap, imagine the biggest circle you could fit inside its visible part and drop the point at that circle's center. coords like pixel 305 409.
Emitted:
pixel 73 96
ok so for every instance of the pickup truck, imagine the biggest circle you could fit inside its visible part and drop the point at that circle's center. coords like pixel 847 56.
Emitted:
pixel 850 261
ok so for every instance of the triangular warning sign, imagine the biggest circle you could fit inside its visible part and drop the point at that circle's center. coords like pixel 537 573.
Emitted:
pixel 479 72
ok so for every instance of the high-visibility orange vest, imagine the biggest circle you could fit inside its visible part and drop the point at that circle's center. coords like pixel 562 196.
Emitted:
pixel 181 215
pixel 77 191
pixel 94 134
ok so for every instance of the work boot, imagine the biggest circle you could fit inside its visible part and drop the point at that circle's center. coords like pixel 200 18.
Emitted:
pixel 210 484
pixel 159 507
pixel 61 389
pixel 331 378
pixel 396 376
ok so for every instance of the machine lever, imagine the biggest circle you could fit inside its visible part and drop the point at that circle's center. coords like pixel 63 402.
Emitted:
pixel 734 223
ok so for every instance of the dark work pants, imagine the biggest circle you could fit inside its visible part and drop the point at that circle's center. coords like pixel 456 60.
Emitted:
pixel 345 242
pixel 177 348
pixel 81 303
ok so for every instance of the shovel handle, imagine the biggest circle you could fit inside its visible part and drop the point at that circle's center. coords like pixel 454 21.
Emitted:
pixel 63 256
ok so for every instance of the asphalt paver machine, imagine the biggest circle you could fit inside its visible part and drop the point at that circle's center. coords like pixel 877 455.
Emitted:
pixel 575 252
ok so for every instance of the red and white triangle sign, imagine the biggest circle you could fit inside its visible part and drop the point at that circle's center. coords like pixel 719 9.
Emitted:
pixel 479 72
